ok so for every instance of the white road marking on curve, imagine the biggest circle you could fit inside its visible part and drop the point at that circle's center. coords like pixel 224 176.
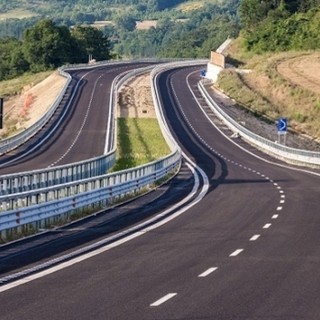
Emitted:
pixel 255 237
pixel 235 253
pixel 207 272
pixel 163 299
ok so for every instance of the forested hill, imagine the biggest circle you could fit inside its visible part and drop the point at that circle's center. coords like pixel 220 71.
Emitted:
pixel 37 35
pixel 280 25
pixel 155 4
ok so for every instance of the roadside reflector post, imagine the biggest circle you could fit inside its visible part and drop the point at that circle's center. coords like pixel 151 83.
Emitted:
pixel 1 113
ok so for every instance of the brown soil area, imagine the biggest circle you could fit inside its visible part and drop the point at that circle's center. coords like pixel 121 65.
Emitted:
pixel 135 99
pixel 303 71
pixel 23 110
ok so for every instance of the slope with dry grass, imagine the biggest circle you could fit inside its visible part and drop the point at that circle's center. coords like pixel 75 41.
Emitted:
pixel 27 99
pixel 279 85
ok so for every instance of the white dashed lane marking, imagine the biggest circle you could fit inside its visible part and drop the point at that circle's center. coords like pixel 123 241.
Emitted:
pixel 235 253
pixel 255 237
pixel 207 272
pixel 163 300
pixel 267 226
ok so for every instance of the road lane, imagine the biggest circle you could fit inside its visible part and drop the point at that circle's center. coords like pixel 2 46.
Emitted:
pixel 274 276
pixel 82 134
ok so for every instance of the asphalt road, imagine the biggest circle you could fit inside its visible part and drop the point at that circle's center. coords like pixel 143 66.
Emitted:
pixel 249 250
pixel 82 134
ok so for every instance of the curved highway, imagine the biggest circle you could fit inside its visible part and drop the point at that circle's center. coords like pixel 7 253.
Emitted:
pixel 82 134
pixel 249 250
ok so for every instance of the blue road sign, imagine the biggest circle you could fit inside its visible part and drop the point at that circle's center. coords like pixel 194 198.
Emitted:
pixel 282 125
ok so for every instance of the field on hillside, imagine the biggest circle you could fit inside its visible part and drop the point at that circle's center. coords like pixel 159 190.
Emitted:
pixel 195 4
pixel 279 85
pixel 17 14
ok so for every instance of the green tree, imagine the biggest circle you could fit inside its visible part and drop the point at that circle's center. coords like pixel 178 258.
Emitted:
pixel 252 12
pixel 12 61
pixel 125 22
pixel 46 46
pixel 90 41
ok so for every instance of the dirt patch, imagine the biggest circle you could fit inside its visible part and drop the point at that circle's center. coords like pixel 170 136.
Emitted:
pixel 23 110
pixel 303 71
pixel 146 24
pixel 135 99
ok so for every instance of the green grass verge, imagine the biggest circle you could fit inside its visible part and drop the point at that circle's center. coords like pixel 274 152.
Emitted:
pixel 139 141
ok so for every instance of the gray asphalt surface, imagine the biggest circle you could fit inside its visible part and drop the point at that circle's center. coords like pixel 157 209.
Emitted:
pixel 249 250
pixel 83 132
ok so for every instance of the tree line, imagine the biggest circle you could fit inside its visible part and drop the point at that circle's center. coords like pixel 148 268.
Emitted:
pixel 48 46
pixel 280 25
pixel 69 13
pixel 193 37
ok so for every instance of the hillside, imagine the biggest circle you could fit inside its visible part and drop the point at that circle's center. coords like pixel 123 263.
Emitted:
pixel 64 35
pixel 90 10
pixel 279 44
pixel 285 84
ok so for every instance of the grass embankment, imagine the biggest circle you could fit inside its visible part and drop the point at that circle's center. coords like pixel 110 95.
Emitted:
pixel 13 119
pixel 268 93
pixel 139 141
pixel 16 86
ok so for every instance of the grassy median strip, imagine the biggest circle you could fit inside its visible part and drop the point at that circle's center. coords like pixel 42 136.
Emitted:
pixel 139 141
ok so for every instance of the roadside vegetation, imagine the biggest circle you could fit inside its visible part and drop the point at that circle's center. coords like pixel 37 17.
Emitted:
pixel 139 141
pixel 180 28
pixel 273 32
pixel 16 85
pixel 280 25
pixel 268 94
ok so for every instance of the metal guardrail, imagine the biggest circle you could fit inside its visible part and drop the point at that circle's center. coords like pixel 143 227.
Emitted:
pixel 43 178
pixel 288 154
pixel 26 185
pixel 102 194
pixel 44 204
pixel 37 206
